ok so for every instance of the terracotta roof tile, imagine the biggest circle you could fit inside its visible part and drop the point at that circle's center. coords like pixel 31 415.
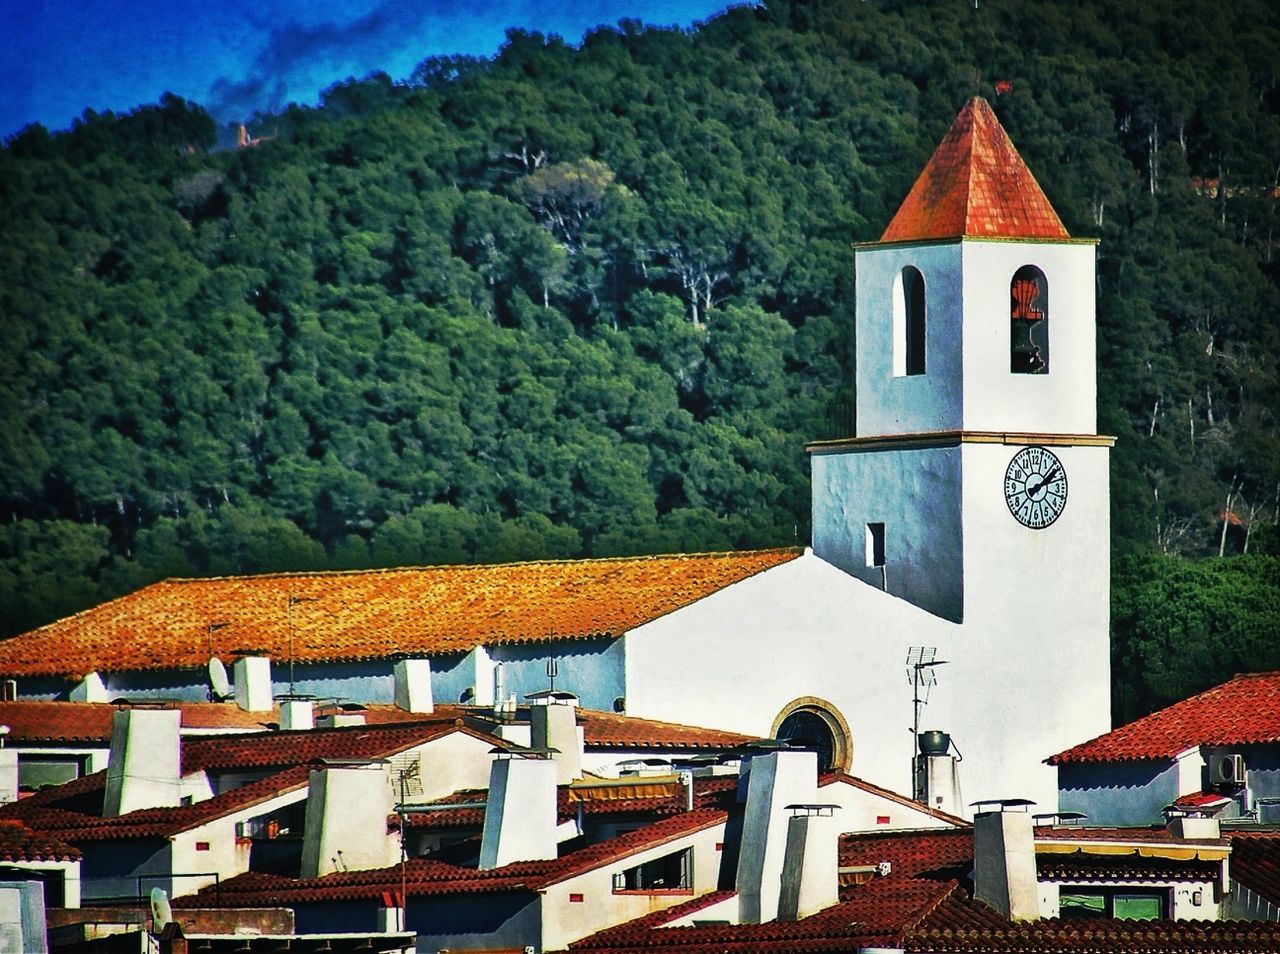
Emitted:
pixel 975 185
pixel 375 613
pixel 958 926
pixel 278 749
pixel 1244 711
pixel 932 853
pixel 43 812
pixel 427 876
pixel 1255 863
pixel 877 913
pixel 31 720
pixel 20 843
pixel 610 730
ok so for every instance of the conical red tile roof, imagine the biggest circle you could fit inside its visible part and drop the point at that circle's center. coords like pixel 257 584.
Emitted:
pixel 975 184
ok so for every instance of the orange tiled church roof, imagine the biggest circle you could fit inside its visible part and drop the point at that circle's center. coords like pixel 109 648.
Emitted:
pixel 374 613
pixel 975 184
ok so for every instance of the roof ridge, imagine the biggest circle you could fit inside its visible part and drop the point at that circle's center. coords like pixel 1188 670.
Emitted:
pixel 373 571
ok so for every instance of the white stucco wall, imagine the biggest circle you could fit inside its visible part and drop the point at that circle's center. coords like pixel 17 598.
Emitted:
pixel 1026 675
pixel 967 383
pixel 565 921
pixel 1062 401
pixel 916 494
pixel 893 404
pixel 450 763
pixel 226 855
pixel 861 810
pixel 735 659
pixel 1036 658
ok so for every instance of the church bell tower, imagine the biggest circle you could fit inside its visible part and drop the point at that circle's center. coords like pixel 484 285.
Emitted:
pixel 975 485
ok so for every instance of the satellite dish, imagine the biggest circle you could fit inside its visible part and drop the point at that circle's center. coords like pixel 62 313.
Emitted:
pixel 219 683
pixel 161 913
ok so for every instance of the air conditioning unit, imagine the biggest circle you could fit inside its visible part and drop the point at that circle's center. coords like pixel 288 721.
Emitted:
pixel 1226 770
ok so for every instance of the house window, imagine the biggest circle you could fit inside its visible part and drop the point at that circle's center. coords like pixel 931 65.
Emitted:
pixel 875 544
pixel 908 322
pixel 37 771
pixel 673 872
pixel 1074 902
pixel 1029 321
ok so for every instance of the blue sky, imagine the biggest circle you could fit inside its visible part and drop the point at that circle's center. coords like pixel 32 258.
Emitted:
pixel 59 57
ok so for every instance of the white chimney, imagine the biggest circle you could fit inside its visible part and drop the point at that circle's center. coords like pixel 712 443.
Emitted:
pixel 775 779
pixel 938 783
pixel 346 821
pixel 144 765
pixel 811 863
pixel 8 770
pixel 90 689
pixel 1004 864
pixel 252 676
pixel 520 814
pixel 413 685
pixel 297 714
pixel 553 725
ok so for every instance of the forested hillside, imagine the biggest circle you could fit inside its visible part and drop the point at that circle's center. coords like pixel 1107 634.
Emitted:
pixel 589 301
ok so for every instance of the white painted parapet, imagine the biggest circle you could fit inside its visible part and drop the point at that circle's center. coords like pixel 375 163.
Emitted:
pixel 346 821
pixel 520 815
pixel 252 676
pixel 413 685
pixel 144 766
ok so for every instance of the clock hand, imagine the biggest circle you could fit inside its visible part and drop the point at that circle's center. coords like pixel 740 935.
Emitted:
pixel 1048 478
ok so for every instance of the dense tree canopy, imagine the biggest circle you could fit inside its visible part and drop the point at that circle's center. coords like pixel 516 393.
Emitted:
pixel 589 301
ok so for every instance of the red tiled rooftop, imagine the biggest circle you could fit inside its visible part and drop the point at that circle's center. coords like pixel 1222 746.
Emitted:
pixel 1255 863
pixel 19 843
pixel 428 876
pixel 1244 711
pixel 875 914
pixel 931 853
pixel 957 926
pixel 975 185
pixel 44 812
pixel 279 749
pixel 372 614
pixel 610 730
pixel 31 720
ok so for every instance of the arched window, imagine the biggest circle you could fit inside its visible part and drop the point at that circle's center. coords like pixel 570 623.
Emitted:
pixel 818 725
pixel 1029 322
pixel 908 322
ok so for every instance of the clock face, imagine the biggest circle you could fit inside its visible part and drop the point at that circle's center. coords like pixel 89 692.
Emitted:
pixel 1035 487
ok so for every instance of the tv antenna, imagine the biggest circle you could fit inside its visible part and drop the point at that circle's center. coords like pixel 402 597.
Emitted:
pixel 289 605
pixel 553 667
pixel 921 662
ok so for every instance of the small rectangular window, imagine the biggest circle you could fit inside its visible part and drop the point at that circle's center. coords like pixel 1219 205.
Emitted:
pixel 673 872
pixel 875 544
